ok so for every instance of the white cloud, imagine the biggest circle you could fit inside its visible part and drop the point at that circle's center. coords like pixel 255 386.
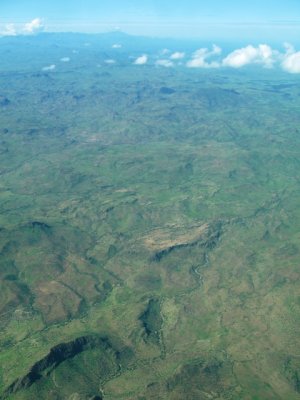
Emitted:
pixel 49 68
pixel 33 26
pixel 9 30
pixel 177 55
pixel 116 46
pixel 65 59
pixel 165 63
pixel 291 62
pixel 110 61
pixel 29 28
pixel 267 55
pixel 141 60
pixel 199 58
pixel 263 54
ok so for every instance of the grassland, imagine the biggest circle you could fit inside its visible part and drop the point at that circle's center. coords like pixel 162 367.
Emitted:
pixel 149 228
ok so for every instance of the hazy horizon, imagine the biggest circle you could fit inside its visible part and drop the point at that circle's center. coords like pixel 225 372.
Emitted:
pixel 260 21
pixel 166 52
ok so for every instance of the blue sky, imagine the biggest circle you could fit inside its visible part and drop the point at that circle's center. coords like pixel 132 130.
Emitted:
pixel 256 20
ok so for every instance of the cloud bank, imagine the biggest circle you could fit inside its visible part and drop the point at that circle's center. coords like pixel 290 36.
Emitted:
pixel 262 55
pixel 30 28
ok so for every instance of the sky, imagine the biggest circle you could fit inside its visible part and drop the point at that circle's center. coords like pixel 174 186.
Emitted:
pixel 255 20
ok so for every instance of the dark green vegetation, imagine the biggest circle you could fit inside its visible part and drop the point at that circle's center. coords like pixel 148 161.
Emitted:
pixel 149 228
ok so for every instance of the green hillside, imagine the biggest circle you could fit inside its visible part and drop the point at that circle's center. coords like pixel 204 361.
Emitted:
pixel 149 229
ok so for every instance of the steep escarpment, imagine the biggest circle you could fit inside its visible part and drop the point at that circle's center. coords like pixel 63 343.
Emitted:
pixel 66 352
